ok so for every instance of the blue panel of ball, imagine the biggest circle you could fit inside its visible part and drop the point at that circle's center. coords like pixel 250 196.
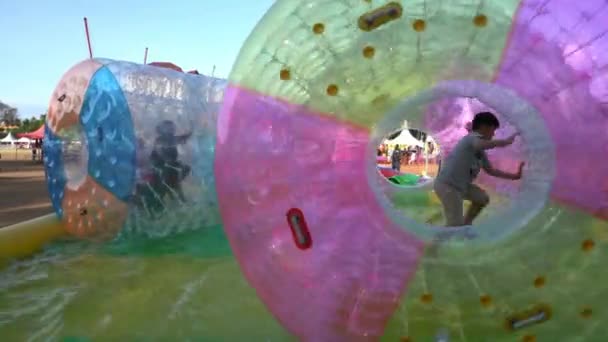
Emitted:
pixel 106 121
pixel 53 164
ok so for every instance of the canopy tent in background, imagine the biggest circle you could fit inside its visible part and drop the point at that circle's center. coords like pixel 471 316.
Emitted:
pixel 9 139
pixel 167 65
pixel 37 134
pixel 24 141
pixel 404 138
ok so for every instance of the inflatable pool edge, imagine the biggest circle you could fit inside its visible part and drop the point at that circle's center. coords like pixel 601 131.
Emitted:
pixel 25 238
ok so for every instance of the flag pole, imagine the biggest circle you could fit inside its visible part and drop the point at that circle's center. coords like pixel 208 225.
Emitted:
pixel 86 30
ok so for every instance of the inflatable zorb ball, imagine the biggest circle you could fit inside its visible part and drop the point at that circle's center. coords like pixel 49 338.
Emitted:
pixel 129 148
pixel 317 87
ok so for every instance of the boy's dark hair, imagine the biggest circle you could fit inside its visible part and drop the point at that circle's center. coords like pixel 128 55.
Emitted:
pixel 485 119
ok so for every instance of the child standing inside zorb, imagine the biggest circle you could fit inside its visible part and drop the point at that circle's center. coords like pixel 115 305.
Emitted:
pixel 454 182
pixel 168 169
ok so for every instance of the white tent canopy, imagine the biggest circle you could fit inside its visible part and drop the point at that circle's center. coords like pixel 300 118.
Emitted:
pixel 9 139
pixel 24 140
pixel 404 138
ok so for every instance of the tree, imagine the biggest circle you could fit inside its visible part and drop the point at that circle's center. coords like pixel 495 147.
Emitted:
pixel 26 124
pixel 9 115
pixel 30 124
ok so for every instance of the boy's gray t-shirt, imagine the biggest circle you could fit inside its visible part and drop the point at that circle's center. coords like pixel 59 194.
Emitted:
pixel 460 168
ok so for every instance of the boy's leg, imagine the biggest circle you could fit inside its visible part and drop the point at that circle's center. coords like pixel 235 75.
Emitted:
pixel 452 200
pixel 184 171
pixel 176 173
pixel 479 200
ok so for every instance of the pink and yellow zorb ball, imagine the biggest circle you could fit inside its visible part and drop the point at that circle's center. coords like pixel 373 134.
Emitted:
pixel 105 119
pixel 319 84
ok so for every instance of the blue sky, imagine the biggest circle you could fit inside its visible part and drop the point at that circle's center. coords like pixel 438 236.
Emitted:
pixel 43 39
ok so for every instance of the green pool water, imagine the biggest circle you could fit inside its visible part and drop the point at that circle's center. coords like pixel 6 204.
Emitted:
pixel 188 287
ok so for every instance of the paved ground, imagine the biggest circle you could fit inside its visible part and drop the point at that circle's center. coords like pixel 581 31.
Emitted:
pixel 23 193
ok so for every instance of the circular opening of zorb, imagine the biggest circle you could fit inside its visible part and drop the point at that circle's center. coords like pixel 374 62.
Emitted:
pixel 520 203
pixel 315 89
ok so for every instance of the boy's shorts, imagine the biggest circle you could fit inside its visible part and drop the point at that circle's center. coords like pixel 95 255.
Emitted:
pixel 452 200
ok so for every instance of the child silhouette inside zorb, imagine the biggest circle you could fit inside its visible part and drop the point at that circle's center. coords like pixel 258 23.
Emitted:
pixel 168 170
pixel 167 173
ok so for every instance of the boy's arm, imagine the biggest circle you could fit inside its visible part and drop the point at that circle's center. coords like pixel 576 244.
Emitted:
pixel 182 139
pixel 489 169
